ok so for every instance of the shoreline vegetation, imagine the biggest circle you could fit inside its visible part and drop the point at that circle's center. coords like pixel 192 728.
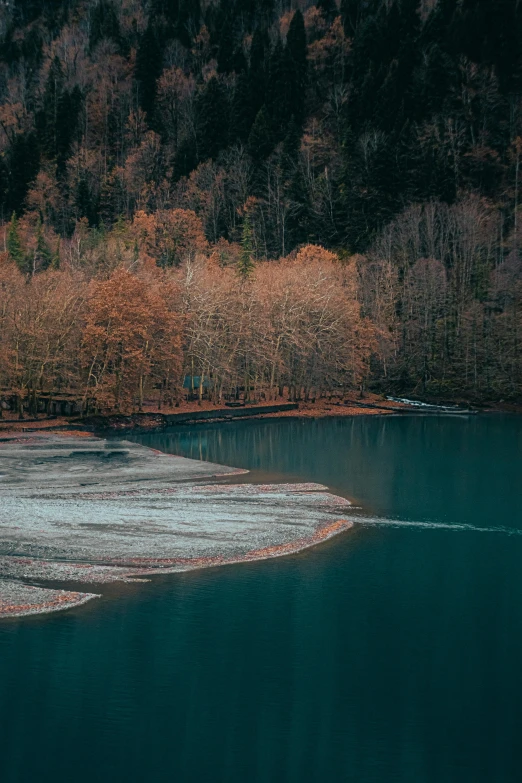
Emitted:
pixel 92 493
pixel 135 337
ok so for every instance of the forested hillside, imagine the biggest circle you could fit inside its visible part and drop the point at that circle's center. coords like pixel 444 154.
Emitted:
pixel 263 147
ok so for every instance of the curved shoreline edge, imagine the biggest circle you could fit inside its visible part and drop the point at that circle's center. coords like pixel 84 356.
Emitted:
pixel 38 600
pixel 95 511
pixel 60 600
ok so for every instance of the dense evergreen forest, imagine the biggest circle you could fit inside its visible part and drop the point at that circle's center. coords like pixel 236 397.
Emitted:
pixel 312 196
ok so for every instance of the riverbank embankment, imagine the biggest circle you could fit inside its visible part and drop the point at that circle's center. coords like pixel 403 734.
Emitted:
pixel 197 412
pixel 203 411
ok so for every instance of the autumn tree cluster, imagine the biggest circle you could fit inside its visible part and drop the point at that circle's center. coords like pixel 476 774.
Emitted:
pixel 440 285
pixel 118 332
pixel 115 317
pixel 291 324
pixel 104 344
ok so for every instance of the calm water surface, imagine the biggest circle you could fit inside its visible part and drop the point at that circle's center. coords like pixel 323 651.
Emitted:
pixel 392 653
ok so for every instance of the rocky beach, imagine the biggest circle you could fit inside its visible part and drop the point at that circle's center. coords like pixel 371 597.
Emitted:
pixel 83 509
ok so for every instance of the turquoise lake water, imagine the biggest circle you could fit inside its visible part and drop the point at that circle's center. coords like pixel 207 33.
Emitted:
pixel 392 653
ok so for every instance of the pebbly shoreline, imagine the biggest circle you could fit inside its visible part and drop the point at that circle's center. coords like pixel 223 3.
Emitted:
pixel 83 509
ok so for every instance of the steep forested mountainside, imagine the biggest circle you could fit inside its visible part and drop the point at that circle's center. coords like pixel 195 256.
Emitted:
pixel 332 118
pixel 389 131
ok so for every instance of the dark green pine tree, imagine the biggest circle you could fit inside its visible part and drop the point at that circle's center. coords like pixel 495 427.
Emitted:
pixel 491 33
pixel 186 158
pixel 300 222
pixel 55 260
pixel 352 14
pixel 328 9
pixel 427 170
pixel 148 69
pixel 67 121
pixel 239 61
pixel 189 20
pixel 85 203
pixel 108 203
pixel 4 186
pixel 479 29
pixel 291 144
pixel 242 110
pixel 245 9
pixel 432 82
pixel 31 48
pixel 384 54
pixel 43 256
pixel 279 92
pixel 48 119
pixel 226 47
pixel 409 31
pixel 296 191
pixel 438 25
pixel 23 166
pixel 14 245
pixel 57 122
pixel 246 265
pixel 408 56
pixel 368 187
pixel 166 8
pixel 260 140
pixel 213 119
pixel 55 15
pixel 257 73
pixel 508 62
pixel 366 58
pixel 104 24
pixel 297 66
pixel 265 11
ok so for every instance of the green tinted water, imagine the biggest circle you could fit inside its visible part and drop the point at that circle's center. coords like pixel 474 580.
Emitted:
pixel 392 653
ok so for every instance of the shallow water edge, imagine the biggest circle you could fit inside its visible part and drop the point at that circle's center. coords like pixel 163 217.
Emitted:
pixel 95 511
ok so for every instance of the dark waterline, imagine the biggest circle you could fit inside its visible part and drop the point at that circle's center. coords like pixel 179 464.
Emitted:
pixel 392 653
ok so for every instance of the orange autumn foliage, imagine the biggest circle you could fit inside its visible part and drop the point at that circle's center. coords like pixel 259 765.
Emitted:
pixel 131 340
pixel 169 235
